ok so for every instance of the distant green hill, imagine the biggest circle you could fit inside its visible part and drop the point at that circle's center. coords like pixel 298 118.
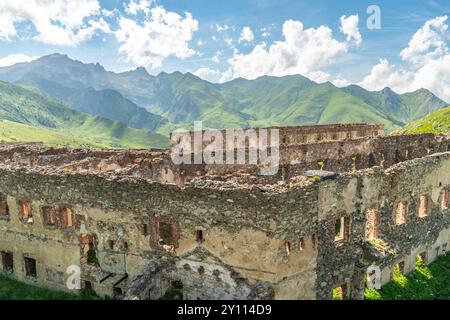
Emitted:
pixel 176 100
pixel 437 122
pixel 106 103
pixel 31 116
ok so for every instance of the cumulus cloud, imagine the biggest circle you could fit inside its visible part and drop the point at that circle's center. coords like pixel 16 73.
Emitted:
pixel 15 58
pixel 349 27
pixel 428 42
pixel 340 82
pixel 134 7
pixel 303 51
pixel 208 74
pixel 162 34
pixel 426 63
pixel 384 74
pixel 57 22
pixel 246 35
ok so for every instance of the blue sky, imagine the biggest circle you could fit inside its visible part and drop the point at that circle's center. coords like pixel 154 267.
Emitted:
pixel 222 40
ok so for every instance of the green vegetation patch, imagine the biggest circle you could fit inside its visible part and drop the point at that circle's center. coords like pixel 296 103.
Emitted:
pixel 437 122
pixel 11 289
pixel 430 282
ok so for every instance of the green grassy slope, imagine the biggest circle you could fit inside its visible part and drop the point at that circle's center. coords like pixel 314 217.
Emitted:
pixel 437 122
pixel 41 116
pixel 108 104
pixel 11 289
pixel 430 282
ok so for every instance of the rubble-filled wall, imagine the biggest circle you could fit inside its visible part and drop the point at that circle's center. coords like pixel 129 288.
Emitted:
pixel 287 135
pixel 368 194
pixel 134 234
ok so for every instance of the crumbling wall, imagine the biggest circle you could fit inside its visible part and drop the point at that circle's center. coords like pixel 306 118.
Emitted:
pixel 133 236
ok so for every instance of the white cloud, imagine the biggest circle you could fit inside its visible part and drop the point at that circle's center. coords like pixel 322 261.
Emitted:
pixel 208 74
pixel 161 35
pixel 246 35
pixel 57 22
pixel 134 7
pixel 15 58
pixel 385 74
pixel 340 82
pixel 216 57
pixel 303 51
pixel 428 42
pixel 228 41
pixel 426 64
pixel 349 27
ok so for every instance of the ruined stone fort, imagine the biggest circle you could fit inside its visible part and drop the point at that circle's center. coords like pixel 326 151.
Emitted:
pixel 347 201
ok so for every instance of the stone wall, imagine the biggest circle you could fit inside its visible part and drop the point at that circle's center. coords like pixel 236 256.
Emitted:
pixel 286 135
pixel 134 234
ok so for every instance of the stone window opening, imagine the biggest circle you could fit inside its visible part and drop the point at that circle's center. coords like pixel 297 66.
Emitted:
pixel 4 208
pixel 401 213
pixel 372 224
pixel 400 266
pixel 201 270
pixel 110 244
pixel 320 164
pixel 444 199
pixel 66 215
pixel 341 229
pixel 423 257
pixel 372 160
pixel 89 255
pixel 340 292
pixel 117 293
pixel 144 229
pixel 288 247
pixel 7 262
pixel 424 206
pixel 313 240
pixel 165 233
pixel 48 216
pixel 25 211
pixel 30 268
pixel 301 244
pixel 199 236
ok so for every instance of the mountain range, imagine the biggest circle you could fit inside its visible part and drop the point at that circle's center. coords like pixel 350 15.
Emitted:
pixel 159 104
pixel 30 116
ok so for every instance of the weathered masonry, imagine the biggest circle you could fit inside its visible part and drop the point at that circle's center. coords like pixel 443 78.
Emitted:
pixel 135 223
